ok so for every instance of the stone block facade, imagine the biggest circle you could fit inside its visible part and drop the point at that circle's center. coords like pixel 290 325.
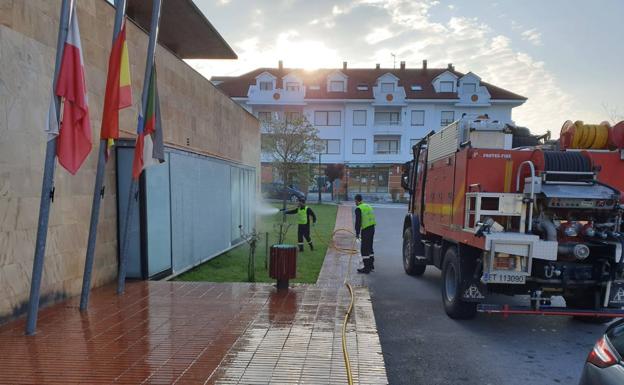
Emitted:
pixel 196 117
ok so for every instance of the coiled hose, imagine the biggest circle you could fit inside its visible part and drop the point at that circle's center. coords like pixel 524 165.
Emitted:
pixel 350 252
pixel 579 135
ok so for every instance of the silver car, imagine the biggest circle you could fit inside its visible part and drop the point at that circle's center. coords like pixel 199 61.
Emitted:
pixel 605 365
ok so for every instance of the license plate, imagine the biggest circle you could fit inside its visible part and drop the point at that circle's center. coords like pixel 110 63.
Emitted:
pixel 616 294
pixel 512 279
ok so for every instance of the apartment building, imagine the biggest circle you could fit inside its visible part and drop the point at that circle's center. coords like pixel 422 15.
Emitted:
pixel 368 118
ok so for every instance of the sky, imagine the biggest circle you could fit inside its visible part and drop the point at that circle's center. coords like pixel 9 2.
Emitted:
pixel 565 56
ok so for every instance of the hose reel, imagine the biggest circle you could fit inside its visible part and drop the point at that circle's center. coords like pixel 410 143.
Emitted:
pixel 564 165
pixel 578 135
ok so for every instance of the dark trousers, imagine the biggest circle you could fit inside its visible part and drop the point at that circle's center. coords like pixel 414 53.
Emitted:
pixel 367 236
pixel 303 231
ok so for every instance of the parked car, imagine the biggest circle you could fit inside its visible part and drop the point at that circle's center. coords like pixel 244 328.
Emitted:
pixel 604 365
pixel 277 191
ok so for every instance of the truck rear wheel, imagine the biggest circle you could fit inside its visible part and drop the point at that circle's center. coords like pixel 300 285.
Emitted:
pixel 410 265
pixel 585 301
pixel 451 288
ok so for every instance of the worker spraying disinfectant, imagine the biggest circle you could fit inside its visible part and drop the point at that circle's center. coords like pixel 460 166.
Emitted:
pixel 303 220
pixel 365 228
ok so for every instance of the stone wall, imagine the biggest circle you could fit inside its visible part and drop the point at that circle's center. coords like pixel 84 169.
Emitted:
pixel 196 117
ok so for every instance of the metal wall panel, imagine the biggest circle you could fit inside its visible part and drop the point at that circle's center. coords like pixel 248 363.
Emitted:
pixel 200 208
pixel 193 207
pixel 158 221
pixel 125 156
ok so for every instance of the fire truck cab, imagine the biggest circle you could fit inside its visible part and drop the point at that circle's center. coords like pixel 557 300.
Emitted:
pixel 501 211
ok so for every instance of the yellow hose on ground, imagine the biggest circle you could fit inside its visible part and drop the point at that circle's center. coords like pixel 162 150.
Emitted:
pixel 350 252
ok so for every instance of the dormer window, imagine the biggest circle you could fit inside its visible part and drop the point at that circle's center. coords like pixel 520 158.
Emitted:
pixel 292 86
pixel 266 86
pixel 336 86
pixel 416 87
pixel 446 86
pixel 362 87
pixel 469 88
pixel 387 87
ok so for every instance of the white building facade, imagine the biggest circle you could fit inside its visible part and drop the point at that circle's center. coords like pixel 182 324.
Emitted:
pixel 369 118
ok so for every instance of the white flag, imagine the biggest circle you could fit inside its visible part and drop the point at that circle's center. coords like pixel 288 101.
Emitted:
pixel 51 127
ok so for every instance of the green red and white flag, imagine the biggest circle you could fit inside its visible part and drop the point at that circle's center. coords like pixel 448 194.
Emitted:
pixel 149 149
pixel 118 89
pixel 74 135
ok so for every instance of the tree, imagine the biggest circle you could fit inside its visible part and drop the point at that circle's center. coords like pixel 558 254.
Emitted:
pixel 334 172
pixel 613 114
pixel 290 144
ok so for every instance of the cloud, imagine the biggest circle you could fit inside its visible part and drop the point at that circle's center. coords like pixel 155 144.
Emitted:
pixel 378 35
pixel 406 28
pixel 473 46
pixel 532 36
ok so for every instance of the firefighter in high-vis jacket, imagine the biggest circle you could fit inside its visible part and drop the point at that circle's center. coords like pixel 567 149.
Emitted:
pixel 365 229
pixel 303 220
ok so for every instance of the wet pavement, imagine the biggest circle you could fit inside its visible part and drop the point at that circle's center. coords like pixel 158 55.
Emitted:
pixel 202 333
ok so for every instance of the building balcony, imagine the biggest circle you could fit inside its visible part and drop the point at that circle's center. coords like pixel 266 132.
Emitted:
pixel 276 96
pixel 388 127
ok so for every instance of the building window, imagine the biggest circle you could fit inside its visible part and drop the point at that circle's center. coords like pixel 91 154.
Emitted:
pixel 336 86
pixel 330 146
pixel 387 87
pixel 418 118
pixel 387 145
pixel 470 88
pixel 292 86
pixel 315 87
pixel 264 116
pixel 359 146
pixel 446 86
pixel 369 180
pixel 327 118
pixel 359 118
pixel 292 116
pixel 447 118
pixel 387 118
pixel 266 86
pixel 362 87
pixel 416 87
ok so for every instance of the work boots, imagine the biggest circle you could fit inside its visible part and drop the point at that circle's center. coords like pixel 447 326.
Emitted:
pixel 311 246
pixel 301 247
pixel 372 262
pixel 367 266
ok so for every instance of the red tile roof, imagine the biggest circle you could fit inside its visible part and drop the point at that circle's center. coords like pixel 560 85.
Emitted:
pixel 237 86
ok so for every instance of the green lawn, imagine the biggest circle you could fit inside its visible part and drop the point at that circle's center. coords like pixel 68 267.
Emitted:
pixel 232 266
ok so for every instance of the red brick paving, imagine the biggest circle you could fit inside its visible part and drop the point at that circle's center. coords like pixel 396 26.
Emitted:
pixel 201 333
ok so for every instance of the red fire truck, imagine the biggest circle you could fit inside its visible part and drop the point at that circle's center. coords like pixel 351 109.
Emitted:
pixel 501 211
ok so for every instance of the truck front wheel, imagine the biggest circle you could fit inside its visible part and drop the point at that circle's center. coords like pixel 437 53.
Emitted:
pixel 451 288
pixel 410 265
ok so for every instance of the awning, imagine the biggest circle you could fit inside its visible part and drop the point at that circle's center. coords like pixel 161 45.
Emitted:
pixel 184 29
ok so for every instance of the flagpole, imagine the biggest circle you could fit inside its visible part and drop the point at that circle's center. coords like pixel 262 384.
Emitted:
pixel 98 191
pixel 47 187
pixel 149 64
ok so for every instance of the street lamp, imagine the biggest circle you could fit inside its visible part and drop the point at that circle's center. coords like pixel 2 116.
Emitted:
pixel 320 148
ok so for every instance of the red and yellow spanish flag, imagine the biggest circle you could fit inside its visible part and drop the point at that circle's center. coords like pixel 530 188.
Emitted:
pixel 118 89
